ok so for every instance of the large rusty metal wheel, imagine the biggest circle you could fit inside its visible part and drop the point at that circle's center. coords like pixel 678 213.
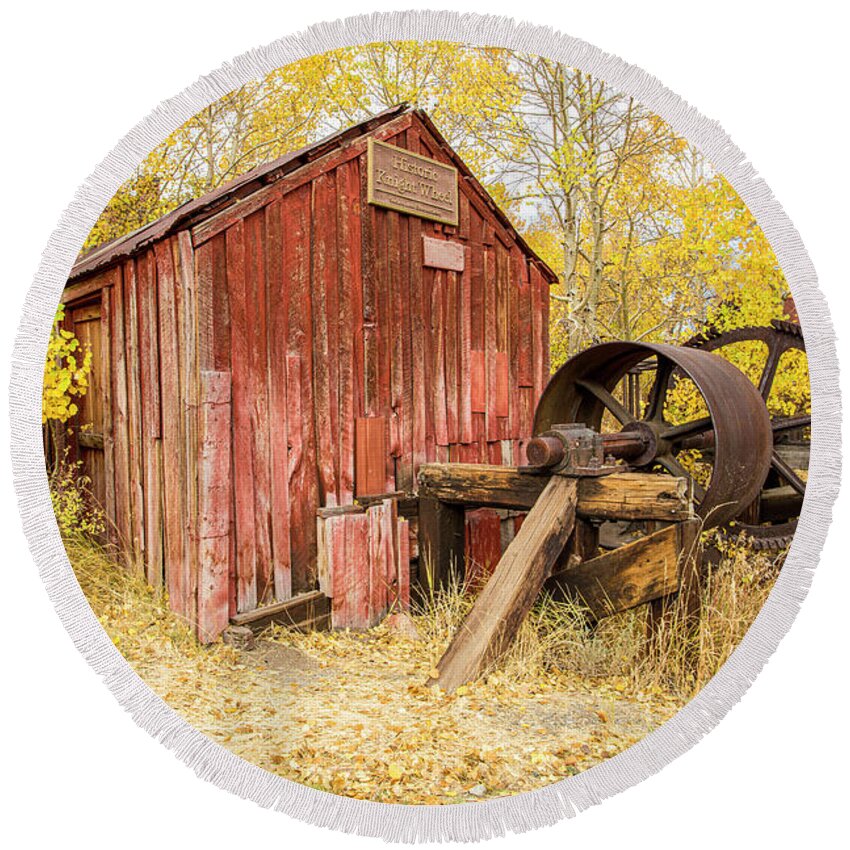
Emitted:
pixel 771 519
pixel 736 431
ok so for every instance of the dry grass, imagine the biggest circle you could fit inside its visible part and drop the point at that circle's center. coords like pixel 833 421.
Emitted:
pixel 349 713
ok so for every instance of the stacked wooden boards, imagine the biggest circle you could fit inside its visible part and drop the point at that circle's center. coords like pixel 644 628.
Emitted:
pixel 318 311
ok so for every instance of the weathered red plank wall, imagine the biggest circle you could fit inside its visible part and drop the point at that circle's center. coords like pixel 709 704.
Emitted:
pixel 339 345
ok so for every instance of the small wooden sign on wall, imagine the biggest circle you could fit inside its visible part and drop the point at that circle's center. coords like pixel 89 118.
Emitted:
pixel 410 183
pixel 442 254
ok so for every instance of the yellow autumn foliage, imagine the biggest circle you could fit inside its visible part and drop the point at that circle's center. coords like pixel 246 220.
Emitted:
pixel 67 368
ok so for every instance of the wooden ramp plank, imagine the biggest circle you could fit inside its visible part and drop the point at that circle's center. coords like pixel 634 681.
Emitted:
pixel 498 612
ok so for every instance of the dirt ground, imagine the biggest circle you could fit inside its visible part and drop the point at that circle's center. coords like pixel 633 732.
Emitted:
pixel 352 715
pixel 349 712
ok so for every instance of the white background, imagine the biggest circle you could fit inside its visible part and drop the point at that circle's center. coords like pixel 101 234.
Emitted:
pixel 77 76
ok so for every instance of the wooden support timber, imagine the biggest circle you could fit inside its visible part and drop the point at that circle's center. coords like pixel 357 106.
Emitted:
pixel 441 542
pixel 651 567
pixel 492 623
pixel 626 495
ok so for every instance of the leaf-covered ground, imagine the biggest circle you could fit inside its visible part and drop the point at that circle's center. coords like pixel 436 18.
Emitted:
pixel 349 713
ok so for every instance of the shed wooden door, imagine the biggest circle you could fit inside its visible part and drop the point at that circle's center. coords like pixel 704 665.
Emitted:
pixel 86 324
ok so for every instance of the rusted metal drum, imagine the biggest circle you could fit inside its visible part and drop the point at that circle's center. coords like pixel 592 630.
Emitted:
pixel 771 520
pixel 737 427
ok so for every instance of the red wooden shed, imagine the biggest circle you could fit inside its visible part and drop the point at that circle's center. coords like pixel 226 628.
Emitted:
pixel 274 361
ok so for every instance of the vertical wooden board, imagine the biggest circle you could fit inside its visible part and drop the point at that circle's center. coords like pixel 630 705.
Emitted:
pixel 324 288
pixel 508 453
pixel 465 354
pixel 322 562
pixel 107 320
pixel 477 297
pixel 187 325
pixel 134 414
pixel 204 258
pixel 278 410
pixel 371 353
pixel 501 278
pixel 389 542
pixel 341 572
pixel 220 304
pixel 494 452
pixel 514 342
pixel 441 542
pixel 387 327
pixel 405 479
pixel 503 343
pixel 545 301
pixel 357 553
pixel 173 469
pixel 396 309
pixel 491 323
pixel 483 544
pixel 243 456
pixel 214 498
pixel 463 216
pixel 403 563
pixel 418 313
pixel 540 328
pixel 392 332
pixel 254 235
pixel 478 382
pixel 375 579
pixel 120 426
pixel 502 385
pixel 525 339
pixel 452 358
pixel 370 451
pixel 438 353
pixel 526 402
pixel 151 417
pixel 350 321
pixel 303 476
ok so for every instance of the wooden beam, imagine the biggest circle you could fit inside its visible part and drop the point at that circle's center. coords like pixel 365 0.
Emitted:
pixel 627 495
pixel 626 577
pixel 304 612
pixel 497 614
pixel 441 542
pixel 77 291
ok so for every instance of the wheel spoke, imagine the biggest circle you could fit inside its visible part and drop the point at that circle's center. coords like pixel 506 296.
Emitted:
pixel 616 409
pixel 688 429
pixel 779 464
pixel 658 393
pixel 675 468
pixel 789 423
pixel 774 352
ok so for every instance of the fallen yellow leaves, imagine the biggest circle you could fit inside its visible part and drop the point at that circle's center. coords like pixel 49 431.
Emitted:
pixel 351 712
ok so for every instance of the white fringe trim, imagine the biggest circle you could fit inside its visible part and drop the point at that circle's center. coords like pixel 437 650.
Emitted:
pixel 473 821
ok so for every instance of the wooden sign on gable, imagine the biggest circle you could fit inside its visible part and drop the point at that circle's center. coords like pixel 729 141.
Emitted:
pixel 409 183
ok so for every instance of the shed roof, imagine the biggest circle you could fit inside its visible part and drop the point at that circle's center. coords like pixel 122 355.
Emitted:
pixel 195 211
